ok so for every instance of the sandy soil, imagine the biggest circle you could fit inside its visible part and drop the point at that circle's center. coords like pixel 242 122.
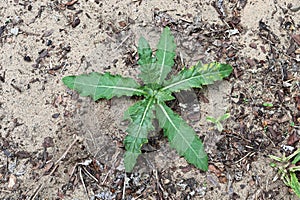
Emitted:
pixel 57 145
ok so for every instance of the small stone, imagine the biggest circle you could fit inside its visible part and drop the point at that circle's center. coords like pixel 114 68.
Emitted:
pixel 76 22
pixel 27 58
pixel 48 142
pixel 49 42
pixel 122 24
pixel 222 179
pixel 14 31
pixel 56 115
pixel 251 62
pixel 166 181
pixel 253 45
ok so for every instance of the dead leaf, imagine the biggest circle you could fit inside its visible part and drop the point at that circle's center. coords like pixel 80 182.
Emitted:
pixel 185 169
pixel 296 38
pixel 297 101
pixel 214 170
pixel 122 24
pixel 48 142
pixel 292 139
pixel 23 154
pixel 70 3
pixel 223 179
pixel 47 167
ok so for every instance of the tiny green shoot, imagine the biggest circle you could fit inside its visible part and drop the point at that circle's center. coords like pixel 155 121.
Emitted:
pixel 245 100
pixel 266 104
pixel 217 121
pixel 292 124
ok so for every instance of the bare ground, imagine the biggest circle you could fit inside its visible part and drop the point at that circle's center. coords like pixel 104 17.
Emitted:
pixel 57 145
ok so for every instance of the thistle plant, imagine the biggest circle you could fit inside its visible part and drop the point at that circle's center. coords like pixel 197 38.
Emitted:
pixel 156 90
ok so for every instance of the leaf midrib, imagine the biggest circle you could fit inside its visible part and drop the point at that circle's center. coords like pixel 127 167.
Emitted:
pixel 112 87
pixel 163 61
pixel 185 80
pixel 142 121
pixel 166 114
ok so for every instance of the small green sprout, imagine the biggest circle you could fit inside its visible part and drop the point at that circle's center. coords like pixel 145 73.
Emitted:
pixel 266 104
pixel 245 100
pixel 292 124
pixel 287 170
pixel 217 121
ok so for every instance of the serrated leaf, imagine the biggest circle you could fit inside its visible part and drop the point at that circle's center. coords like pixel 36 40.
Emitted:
pixel 182 137
pixel 155 70
pixel 141 115
pixel 130 157
pixel 165 54
pixel 146 61
pixel 145 52
pixel 197 76
pixel 105 85
pixel 163 96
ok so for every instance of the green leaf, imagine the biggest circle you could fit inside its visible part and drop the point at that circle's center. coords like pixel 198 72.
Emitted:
pixel 294 184
pixel 155 70
pixel 296 159
pixel 211 119
pixel 197 76
pixel 105 85
pixel 182 137
pixel 141 115
pixel 223 117
pixel 146 61
pixel 219 126
pixel 145 52
pixel 266 104
pixel 165 54
pixel 163 96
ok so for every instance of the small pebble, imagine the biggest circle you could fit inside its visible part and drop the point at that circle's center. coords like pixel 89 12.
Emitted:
pixel 253 45
pixel 166 181
pixel 56 115
pixel 14 31
pixel 49 42
pixel 27 58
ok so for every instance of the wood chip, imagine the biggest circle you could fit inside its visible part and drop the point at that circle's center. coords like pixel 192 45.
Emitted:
pixel 296 38
pixel 47 33
pixel 12 182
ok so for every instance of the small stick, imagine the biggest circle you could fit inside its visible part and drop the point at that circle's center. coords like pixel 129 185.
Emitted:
pixel 126 179
pixel 122 42
pixel 37 191
pixel 90 175
pixel 157 181
pixel 105 177
pixel 81 178
pixel 39 188
pixel 67 151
